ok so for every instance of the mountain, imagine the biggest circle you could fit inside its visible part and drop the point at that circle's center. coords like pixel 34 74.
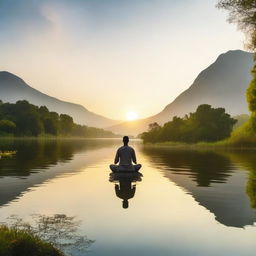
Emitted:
pixel 222 84
pixel 13 88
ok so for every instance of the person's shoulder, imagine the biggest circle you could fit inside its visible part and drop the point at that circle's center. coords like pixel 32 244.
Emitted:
pixel 131 148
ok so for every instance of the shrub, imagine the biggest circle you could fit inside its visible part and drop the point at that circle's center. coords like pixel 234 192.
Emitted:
pixel 20 243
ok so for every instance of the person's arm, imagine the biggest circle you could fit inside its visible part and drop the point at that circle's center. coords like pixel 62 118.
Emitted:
pixel 117 157
pixel 117 189
pixel 134 156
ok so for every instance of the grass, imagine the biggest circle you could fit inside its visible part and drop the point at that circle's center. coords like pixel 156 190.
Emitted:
pixel 183 145
pixel 243 138
pixel 229 143
pixel 15 242
pixel 7 153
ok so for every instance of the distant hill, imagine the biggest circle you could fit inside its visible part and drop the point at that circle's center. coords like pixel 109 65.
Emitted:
pixel 222 84
pixel 13 88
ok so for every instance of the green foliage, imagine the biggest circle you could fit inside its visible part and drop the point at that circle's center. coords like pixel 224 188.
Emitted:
pixel 251 92
pixel 66 124
pixel 59 231
pixel 206 124
pixel 241 120
pixel 7 126
pixel 245 135
pixel 15 242
pixel 242 12
pixel 91 132
pixel 251 188
pixel 25 119
pixel 153 134
pixel 49 120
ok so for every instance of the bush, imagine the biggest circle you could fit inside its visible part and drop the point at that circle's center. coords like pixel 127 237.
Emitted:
pixel 245 135
pixel 20 243
pixel 7 126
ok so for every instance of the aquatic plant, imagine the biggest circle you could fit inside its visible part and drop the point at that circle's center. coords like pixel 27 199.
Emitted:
pixel 59 230
pixel 14 242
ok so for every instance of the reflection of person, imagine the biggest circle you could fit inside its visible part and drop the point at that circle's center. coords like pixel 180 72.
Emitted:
pixel 125 190
pixel 125 155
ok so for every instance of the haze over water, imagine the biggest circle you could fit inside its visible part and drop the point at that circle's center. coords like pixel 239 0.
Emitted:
pixel 187 202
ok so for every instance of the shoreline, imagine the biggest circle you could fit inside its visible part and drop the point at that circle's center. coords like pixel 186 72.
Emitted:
pixel 222 145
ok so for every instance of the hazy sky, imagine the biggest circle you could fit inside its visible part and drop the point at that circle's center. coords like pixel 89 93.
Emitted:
pixel 113 56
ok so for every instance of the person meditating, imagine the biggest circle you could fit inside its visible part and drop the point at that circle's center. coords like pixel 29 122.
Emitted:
pixel 125 155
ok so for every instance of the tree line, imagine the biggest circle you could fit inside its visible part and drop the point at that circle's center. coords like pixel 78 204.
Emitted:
pixel 25 119
pixel 206 124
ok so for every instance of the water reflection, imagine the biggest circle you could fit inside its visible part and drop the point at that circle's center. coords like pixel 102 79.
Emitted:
pixel 217 181
pixel 181 193
pixel 37 161
pixel 247 161
pixel 222 182
pixel 204 168
pixel 36 155
pixel 125 185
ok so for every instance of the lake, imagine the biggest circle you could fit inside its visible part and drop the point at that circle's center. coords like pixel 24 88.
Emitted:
pixel 188 202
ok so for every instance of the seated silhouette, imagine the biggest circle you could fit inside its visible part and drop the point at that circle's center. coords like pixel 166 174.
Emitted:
pixel 125 155
pixel 126 187
pixel 125 190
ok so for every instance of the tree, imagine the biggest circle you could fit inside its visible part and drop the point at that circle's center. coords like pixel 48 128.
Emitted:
pixel 154 125
pixel 66 124
pixel 243 13
pixel 206 124
pixel 27 119
pixel 51 126
pixel 7 126
pixel 211 124
pixel 174 130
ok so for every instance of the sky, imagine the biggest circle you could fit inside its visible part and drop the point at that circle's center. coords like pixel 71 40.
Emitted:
pixel 117 58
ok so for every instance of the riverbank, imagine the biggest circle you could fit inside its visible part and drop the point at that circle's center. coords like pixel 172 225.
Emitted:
pixel 226 144
pixel 20 243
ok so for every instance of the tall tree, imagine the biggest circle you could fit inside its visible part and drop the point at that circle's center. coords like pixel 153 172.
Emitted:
pixel 66 124
pixel 243 13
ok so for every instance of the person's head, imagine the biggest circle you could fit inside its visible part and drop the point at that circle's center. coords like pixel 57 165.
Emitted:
pixel 125 204
pixel 125 140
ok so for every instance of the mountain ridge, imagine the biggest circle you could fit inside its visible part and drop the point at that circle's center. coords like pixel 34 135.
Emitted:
pixel 14 88
pixel 220 84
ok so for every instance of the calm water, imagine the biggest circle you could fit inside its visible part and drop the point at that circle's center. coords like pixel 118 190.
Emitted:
pixel 187 202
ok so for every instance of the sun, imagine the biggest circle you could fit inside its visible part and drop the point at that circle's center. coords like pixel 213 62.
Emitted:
pixel 131 115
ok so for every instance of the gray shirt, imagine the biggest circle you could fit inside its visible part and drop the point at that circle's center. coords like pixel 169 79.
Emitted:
pixel 125 155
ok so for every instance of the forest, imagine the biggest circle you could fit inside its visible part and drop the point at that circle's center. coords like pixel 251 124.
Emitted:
pixel 206 124
pixel 22 119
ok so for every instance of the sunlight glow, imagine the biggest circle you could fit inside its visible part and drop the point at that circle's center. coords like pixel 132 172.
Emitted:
pixel 131 115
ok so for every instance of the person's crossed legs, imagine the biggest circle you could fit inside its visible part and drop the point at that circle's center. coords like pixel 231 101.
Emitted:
pixel 116 168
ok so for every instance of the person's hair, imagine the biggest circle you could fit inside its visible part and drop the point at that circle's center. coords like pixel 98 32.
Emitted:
pixel 125 204
pixel 125 139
